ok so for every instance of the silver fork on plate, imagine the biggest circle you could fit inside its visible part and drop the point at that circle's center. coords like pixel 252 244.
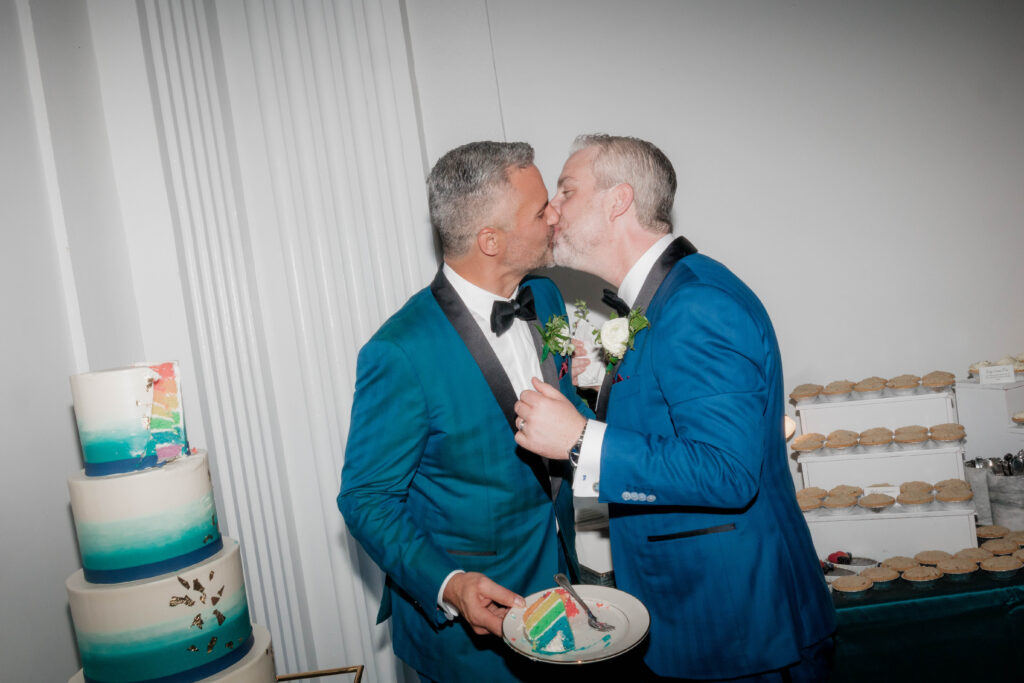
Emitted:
pixel 563 581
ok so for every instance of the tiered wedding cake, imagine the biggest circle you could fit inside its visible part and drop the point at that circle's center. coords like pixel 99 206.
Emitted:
pixel 160 597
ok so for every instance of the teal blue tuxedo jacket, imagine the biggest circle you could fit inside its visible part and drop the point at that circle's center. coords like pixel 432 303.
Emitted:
pixel 433 480
pixel 705 526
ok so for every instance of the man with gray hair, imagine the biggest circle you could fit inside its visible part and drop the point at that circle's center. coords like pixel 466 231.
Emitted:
pixel 687 447
pixel 463 522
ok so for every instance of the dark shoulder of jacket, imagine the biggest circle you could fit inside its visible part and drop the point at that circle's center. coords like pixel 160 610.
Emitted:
pixel 543 287
pixel 708 274
pixel 715 274
pixel 410 318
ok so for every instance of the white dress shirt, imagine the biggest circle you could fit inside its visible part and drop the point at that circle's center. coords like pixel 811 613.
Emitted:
pixel 588 469
pixel 515 351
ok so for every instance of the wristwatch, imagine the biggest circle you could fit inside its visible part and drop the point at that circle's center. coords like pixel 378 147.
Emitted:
pixel 574 452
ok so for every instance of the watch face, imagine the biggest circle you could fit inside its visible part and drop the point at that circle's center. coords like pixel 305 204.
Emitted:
pixel 574 452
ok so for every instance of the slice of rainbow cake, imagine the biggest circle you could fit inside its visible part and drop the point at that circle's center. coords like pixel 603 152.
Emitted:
pixel 546 622
pixel 166 426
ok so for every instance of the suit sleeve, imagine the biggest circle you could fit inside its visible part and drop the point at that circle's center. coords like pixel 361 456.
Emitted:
pixel 387 437
pixel 707 356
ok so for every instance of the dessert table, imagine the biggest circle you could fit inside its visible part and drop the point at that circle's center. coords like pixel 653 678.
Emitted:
pixel 952 631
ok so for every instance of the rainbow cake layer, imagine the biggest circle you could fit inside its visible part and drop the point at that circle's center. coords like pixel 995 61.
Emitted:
pixel 546 622
pixel 141 524
pixel 190 624
pixel 129 418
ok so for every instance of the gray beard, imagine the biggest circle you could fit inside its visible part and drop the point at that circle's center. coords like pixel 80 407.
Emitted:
pixel 567 255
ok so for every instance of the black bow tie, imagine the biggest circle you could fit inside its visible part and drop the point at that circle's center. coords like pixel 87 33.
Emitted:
pixel 613 300
pixel 504 313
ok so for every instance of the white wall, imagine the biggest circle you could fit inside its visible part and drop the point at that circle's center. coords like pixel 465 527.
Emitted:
pixel 84 172
pixel 36 358
pixel 859 165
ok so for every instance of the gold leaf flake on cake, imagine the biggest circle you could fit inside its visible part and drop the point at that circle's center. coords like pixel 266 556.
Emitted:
pixel 184 583
pixel 221 591
pixel 206 538
pixel 196 586
pixel 182 600
pixel 230 644
pixel 213 641
pixel 211 575
pixel 214 599
pixel 193 648
pixel 198 621
pixel 220 617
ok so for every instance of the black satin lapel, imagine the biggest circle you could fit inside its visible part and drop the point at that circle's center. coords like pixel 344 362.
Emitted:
pixel 602 398
pixel 462 320
pixel 680 248
pixel 550 376
pixel 497 379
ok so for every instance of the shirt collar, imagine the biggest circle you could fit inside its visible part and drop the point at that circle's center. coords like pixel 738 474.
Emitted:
pixel 477 299
pixel 629 290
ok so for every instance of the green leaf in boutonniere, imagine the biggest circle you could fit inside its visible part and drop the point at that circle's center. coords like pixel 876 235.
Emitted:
pixel 556 337
pixel 581 313
pixel 637 322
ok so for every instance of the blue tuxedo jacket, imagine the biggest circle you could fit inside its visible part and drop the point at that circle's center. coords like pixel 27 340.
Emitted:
pixel 433 480
pixel 705 526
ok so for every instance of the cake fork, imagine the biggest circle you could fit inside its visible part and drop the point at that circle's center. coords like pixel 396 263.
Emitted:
pixel 563 581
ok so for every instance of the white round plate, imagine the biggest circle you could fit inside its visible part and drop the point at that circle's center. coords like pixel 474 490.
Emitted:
pixel 610 605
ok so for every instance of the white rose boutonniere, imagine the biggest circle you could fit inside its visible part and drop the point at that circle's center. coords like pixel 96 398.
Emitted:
pixel 616 336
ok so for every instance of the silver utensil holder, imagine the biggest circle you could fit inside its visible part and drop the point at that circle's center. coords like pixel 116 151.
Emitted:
pixel 1006 497
pixel 977 477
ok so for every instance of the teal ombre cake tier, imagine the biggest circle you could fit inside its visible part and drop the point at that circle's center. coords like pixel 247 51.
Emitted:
pixel 141 524
pixel 129 418
pixel 126 441
pixel 256 666
pixel 173 533
pixel 161 597
pixel 193 620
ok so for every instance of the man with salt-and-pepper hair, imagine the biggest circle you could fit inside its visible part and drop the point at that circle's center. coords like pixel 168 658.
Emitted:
pixel 687 447
pixel 462 520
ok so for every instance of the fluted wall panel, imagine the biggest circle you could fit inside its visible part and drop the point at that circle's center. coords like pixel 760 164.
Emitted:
pixel 218 285
pixel 295 169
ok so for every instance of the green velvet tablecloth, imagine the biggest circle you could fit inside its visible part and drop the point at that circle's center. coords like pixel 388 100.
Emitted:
pixel 964 632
